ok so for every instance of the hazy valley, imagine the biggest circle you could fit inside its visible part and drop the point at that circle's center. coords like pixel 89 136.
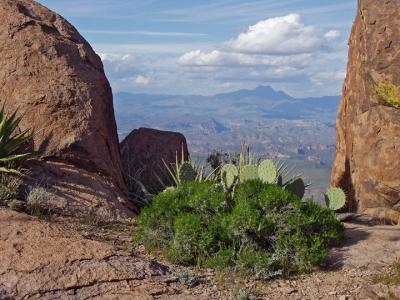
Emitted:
pixel 301 131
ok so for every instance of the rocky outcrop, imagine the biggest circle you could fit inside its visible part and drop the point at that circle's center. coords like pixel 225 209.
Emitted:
pixel 56 80
pixel 42 260
pixel 144 150
pixel 367 161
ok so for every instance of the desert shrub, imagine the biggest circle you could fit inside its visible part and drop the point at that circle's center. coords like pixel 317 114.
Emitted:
pixel 388 92
pixel 261 230
pixel 16 205
pixel 10 187
pixel 37 200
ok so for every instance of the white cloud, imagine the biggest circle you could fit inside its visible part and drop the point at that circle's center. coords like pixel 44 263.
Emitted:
pixel 281 35
pixel 282 52
pixel 281 41
pixel 197 57
pixel 332 34
pixel 143 80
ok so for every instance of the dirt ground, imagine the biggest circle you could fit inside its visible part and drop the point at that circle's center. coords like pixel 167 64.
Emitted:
pixel 60 258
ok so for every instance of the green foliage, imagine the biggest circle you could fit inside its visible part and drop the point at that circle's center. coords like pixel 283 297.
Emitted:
pixel 265 231
pixel 11 142
pixel 335 198
pixel 389 92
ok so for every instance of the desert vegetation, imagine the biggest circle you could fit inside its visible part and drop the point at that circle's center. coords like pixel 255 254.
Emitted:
pixel 246 216
pixel 389 93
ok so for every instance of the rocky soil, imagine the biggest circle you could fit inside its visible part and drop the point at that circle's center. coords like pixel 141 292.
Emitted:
pixel 62 258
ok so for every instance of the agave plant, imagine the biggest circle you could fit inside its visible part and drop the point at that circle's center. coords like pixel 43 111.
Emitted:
pixel 11 142
pixel 186 170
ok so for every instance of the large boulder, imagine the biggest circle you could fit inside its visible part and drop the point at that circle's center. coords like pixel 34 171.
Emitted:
pixel 367 162
pixel 52 75
pixel 144 150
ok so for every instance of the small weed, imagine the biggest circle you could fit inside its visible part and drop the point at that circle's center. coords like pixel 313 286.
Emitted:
pixel 242 294
pixel 10 187
pixel 389 279
pixel 186 279
pixel 16 205
pixel 37 200
pixel 77 226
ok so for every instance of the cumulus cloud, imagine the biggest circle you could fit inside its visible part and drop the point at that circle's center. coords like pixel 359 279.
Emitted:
pixel 281 35
pixel 281 51
pixel 332 34
pixel 279 41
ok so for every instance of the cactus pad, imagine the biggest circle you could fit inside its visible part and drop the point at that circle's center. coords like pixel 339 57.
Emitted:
pixel 248 172
pixel 229 173
pixel 297 187
pixel 335 198
pixel 267 171
pixel 187 173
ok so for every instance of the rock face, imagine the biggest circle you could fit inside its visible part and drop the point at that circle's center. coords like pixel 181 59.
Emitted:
pixel 42 260
pixel 55 79
pixel 367 161
pixel 144 149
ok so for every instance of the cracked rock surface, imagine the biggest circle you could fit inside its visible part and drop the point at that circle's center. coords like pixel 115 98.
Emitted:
pixel 48 261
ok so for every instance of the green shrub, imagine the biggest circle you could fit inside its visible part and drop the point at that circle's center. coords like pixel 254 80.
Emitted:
pixel 263 230
pixel 388 92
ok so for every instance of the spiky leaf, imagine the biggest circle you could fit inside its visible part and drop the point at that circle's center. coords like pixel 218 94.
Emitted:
pixel 187 173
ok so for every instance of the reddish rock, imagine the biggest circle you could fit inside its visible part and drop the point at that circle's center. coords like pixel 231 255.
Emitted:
pixel 367 161
pixel 144 149
pixel 42 260
pixel 52 75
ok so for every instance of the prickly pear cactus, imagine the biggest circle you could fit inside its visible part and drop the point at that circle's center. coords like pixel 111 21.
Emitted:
pixel 248 172
pixel 187 173
pixel 229 173
pixel 267 171
pixel 335 198
pixel 297 187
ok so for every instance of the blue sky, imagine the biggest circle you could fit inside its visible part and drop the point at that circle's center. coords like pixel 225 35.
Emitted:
pixel 207 47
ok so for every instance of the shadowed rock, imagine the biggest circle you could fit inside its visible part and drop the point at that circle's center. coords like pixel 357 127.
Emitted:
pixel 144 150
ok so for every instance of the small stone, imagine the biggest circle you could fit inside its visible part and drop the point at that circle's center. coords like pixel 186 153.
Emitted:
pixel 333 293
pixel 288 290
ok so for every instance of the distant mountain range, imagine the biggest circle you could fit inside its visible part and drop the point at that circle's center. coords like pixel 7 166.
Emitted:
pixel 274 123
pixel 210 113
